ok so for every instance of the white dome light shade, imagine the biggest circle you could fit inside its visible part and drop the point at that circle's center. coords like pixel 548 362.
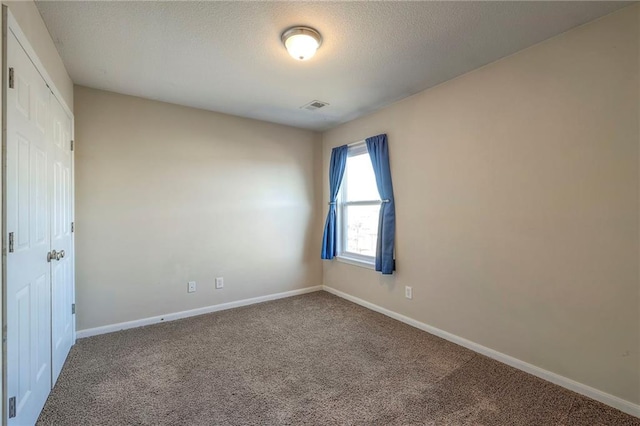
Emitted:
pixel 301 42
pixel 301 46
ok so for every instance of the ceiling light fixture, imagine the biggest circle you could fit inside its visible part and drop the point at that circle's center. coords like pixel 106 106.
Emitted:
pixel 301 42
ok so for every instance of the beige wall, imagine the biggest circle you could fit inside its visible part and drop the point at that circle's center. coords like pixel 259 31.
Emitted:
pixel 517 205
pixel 28 17
pixel 167 194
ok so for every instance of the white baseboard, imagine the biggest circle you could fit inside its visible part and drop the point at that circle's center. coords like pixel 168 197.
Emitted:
pixel 608 399
pixel 191 313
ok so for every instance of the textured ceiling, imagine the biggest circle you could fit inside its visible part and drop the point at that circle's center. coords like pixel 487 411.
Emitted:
pixel 228 57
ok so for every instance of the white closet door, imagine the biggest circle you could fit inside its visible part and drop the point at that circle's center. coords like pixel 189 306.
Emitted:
pixel 28 227
pixel 61 238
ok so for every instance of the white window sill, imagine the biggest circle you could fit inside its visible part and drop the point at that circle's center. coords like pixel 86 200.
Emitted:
pixel 356 262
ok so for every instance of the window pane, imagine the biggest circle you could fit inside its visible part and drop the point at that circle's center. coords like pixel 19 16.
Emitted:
pixel 362 229
pixel 361 182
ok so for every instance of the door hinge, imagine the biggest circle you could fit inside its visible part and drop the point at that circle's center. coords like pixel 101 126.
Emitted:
pixel 71 145
pixel 10 242
pixel 73 227
pixel 11 78
pixel 12 407
pixel 73 308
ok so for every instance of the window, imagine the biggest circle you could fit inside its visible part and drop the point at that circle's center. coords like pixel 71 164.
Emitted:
pixel 358 209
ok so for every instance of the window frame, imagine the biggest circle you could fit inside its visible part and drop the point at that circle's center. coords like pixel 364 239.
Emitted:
pixel 357 259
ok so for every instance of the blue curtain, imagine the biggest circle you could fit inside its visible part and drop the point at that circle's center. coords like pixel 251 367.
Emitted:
pixel 336 172
pixel 379 153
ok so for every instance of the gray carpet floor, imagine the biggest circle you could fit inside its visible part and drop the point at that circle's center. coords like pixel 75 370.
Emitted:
pixel 311 359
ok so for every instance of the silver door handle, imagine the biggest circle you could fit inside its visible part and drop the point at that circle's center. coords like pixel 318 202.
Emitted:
pixel 55 255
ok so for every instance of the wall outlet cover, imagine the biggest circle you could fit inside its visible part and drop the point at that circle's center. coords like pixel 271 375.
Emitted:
pixel 219 282
pixel 408 292
pixel 191 288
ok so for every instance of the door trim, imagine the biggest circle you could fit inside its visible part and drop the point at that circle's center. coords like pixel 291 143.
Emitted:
pixel 3 218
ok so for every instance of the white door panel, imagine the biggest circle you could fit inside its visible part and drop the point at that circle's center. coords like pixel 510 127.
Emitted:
pixel 40 253
pixel 61 237
pixel 28 225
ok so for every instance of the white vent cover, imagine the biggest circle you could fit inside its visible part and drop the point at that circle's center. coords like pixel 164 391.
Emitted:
pixel 314 105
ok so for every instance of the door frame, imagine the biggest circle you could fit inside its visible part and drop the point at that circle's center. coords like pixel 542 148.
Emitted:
pixel 9 24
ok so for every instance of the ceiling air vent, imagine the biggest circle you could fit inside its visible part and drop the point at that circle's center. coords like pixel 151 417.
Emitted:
pixel 314 105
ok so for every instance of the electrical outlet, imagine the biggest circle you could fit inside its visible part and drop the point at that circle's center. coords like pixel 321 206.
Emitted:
pixel 408 292
pixel 219 282
pixel 192 287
